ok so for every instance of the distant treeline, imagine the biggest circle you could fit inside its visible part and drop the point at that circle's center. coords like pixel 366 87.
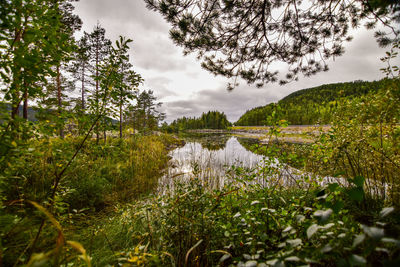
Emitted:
pixel 311 106
pixel 209 120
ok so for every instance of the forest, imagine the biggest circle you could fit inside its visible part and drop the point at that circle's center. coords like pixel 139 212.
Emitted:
pixel 313 105
pixel 80 175
pixel 209 120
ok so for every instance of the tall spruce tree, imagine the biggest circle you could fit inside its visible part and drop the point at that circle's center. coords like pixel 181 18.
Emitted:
pixel 126 79
pixel 69 24
pixel 145 116
pixel 100 49
pixel 80 67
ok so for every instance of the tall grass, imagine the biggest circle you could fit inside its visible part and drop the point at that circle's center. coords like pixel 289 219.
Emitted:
pixel 195 226
pixel 100 176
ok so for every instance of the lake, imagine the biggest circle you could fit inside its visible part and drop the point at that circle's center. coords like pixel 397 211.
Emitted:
pixel 210 157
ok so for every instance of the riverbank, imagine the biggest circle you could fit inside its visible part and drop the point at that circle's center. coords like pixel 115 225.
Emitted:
pixel 297 134
pixel 200 221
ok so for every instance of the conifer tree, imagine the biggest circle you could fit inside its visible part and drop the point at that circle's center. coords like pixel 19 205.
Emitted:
pixel 144 116
pixel 80 67
pixel 126 79
pixel 99 49
pixel 246 38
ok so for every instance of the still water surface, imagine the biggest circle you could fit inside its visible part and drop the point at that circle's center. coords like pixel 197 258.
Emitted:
pixel 208 158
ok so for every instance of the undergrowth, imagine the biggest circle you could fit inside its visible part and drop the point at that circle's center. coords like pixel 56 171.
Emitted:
pixel 99 177
pixel 245 226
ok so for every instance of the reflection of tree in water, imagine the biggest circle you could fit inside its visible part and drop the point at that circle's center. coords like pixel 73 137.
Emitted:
pixel 293 154
pixel 214 142
pixel 251 144
pixel 209 141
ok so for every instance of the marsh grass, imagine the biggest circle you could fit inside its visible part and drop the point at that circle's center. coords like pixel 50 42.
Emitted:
pixel 100 177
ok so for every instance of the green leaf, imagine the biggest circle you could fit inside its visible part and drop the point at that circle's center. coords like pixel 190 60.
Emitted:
pixel 323 215
pixel 356 194
pixel 373 232
pixel 386 211
pixel 292 258
pixel 338 206
pixel 356 260
pixel 294 242
pixel 391 240
pixel 224 257
pixel 276 263
pixel 312 230
pixel 251 263
pixel 332 187
pixel 358 240
pixel 326 248
pixel 359 181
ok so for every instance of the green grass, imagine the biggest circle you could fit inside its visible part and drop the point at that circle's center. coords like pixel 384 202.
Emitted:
pixel 241 225
pixel 101 176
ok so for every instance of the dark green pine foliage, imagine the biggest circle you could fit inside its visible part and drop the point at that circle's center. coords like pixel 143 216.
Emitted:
pixel 246 38
pixel 99 51
pixel 209 120
pixel 311 106
pixel 144 116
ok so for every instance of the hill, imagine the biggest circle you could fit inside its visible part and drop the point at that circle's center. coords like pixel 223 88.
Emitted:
pixel 312 105
pixel 209 120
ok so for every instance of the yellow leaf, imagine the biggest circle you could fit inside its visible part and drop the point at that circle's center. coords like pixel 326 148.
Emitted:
pixel 77 246
pixel 134 259
pixel 14 144
pixel 48 214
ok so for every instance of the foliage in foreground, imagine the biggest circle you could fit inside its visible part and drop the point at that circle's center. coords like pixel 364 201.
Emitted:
pixel 100 176
pixel 246 226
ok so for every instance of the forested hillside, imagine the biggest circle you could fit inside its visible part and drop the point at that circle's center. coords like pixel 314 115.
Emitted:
pixel 311 106
pixel 209 120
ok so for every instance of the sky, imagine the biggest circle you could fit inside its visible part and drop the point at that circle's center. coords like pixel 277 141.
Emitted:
pixel 184 88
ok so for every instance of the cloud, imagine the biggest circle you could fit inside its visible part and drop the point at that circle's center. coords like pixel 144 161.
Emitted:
pixel 188 90
pixel 151 48
pixel 160 86
pixel 233 103
pixel 121 12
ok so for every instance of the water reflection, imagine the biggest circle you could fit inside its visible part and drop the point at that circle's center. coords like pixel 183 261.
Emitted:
pixel 210 141
pixel 210 163
pixel 197 160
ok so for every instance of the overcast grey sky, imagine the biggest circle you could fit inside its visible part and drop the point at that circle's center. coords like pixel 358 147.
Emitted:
pixel 184 87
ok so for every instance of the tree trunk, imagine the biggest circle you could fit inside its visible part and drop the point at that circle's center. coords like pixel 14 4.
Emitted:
pixel 14 109
pixel 120 120
pixel 97 90
pixel 83 88
pixel 58 80
pixel 25 109
pixel 104 130
pixel 15 96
